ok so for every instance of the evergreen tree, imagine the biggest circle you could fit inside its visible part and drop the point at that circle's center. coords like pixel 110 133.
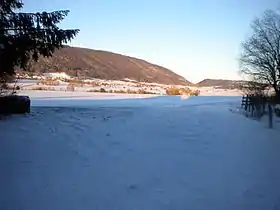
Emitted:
pixel 25 36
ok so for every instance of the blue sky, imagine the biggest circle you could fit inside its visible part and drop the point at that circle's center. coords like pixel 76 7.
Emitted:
pixel 195 38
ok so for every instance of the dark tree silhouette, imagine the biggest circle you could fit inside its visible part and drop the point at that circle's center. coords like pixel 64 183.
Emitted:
pixel 26 36
pixel 260 58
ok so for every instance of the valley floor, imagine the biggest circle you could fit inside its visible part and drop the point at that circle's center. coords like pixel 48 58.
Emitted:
pixel 130 154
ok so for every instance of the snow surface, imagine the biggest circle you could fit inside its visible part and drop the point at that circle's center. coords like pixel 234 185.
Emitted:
pixel 129 154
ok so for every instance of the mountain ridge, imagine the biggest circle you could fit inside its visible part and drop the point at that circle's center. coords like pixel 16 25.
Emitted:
pixel 88 63
pixel 221 83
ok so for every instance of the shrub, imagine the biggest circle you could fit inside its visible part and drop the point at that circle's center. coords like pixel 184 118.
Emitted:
pixel 119 91
pixel 52 82
pixel 182 91
pixel 76 82
pixel 195 93
pixel 43 88
pixel 101 90
pixel 140 91
pixel 94 84
pixel 4 86
pixel 8 89
pixel 131 91
pixel 173 91
pixel 70 87
pixel 93 91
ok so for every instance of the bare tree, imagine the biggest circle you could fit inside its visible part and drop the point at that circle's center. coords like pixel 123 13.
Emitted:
pixel 260 57
pixel 253 88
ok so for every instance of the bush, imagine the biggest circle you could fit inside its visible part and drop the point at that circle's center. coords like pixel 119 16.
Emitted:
pixel 8 89
pixel 70 87
pixel 101 90
pixel 94 84
pixel 173 91
pixel 4 86
pixel 195 93
pixel 76 82
pixel 119 91
pixel 44 88
pixel 182 91
pixel 131 91
pixel 140 91
pixel 51 82
pixel 93 91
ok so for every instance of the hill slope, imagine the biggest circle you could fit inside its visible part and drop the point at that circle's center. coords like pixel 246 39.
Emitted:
pixel 87 63
pixel 221 83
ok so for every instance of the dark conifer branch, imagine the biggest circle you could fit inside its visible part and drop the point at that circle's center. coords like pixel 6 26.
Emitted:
pixel 25 36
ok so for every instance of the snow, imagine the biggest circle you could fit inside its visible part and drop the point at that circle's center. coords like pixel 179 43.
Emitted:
pixel 79 99
pixel 211 91
pixel 116 85
pixel 144 153
pixel 56 75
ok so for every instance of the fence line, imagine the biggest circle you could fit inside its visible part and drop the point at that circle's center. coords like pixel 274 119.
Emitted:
pixel 256 106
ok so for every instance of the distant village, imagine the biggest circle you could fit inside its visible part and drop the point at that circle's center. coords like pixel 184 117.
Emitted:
pixel 60 81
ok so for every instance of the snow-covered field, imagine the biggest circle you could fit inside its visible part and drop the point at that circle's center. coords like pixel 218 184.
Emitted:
pixel 30 85
pixel 80 99
pixel 211 91
pixel 145 153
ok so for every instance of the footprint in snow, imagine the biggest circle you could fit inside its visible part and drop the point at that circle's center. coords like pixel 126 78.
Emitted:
pixel 132 187
pixel 106 118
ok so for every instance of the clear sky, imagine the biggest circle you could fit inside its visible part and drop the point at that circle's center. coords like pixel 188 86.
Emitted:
pixel 195 38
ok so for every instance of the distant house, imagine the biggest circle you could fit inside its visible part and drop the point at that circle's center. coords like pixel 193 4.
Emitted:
pixel 57 75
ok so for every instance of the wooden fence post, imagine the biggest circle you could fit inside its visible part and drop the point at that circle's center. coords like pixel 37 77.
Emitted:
pixel 270 116
pixel 246 103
